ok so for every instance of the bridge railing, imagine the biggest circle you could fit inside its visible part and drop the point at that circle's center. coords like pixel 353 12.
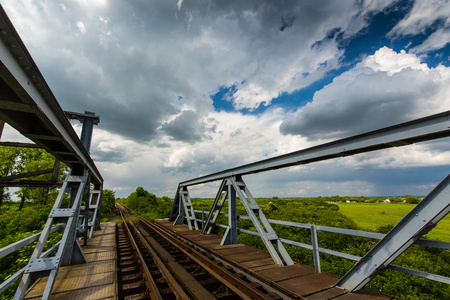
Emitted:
pixel 11 248
pixel 316 249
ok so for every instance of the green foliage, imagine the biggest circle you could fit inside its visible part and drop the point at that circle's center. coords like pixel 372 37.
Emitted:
pixel 14 226
pixel 14 161
pixel 324 211
pixel 147 204
pixel 108 202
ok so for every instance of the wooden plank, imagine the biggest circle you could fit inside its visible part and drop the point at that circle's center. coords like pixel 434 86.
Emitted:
pixel 286 272
pixel 94 280
pixel 309 284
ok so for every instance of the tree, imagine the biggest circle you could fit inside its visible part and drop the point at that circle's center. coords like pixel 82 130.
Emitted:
pixel 9 157
pixel 108 202
pixel 15 160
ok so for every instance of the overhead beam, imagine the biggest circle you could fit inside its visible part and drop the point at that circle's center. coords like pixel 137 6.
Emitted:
pixel 19 144
pixel 31 184
pixel 28 174
pixel 420 130
pixel 30 106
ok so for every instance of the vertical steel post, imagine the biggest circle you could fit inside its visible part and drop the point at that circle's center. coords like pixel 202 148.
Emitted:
pixel 203 219
pixel 315 245
pixel 88 127
pixel 230 236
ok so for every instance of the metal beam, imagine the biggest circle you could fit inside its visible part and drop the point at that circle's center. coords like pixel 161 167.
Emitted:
pixel 419 221
pixel 424 129
pixel 28 174
pixel 30 107
pixel 31 184
pixel 19 144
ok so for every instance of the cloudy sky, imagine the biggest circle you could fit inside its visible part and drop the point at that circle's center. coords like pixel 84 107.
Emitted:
pixel 187 88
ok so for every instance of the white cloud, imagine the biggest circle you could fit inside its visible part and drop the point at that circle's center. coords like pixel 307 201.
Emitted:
pixel 426 15
pixel 437 40
pixel 423 14
pixel 148 71
pixel 81 27
pixel 384 89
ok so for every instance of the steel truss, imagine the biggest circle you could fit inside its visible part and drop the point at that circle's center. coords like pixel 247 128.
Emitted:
pixel 69 251
pixel 187 211
pixel 230 188
pixel 415 224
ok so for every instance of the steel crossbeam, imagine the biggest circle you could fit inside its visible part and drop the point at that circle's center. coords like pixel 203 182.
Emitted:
pixel 28 104
pixel 424 129
pixel 424 217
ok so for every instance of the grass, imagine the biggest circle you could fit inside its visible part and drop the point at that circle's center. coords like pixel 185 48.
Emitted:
pixel 369 216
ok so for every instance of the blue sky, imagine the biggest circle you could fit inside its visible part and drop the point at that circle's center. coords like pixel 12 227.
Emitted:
pixel 186 88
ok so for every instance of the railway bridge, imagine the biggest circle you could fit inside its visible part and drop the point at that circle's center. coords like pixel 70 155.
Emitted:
pixel 180 257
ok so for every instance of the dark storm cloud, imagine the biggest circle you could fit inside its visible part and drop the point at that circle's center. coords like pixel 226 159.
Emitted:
pixel 185 128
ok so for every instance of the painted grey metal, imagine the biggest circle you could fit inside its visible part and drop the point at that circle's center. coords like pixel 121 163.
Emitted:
pixel 421 219
pixel 34 102
pixel 262 225
pixel 216 207
pixel 360 233
pixel 177 208
pixel 429 243
pixel 187 210
pixel 315 246
pixel 16 276
pixel 424 129
pixel 26 241
pixel 69 251
pixel 88 119
pixel 94 208
pixel 231 233
pixel 422 274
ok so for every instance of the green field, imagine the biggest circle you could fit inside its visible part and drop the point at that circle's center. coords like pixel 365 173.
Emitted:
pixel 369 216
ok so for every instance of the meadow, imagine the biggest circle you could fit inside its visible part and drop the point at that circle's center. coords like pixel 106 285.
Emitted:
pixel 370 216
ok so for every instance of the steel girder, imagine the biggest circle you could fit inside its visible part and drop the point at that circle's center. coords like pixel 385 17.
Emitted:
pixel 424 129
pixel 230 188
pixel 28 104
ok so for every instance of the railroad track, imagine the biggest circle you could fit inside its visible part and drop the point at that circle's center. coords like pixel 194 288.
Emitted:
pixel 154 263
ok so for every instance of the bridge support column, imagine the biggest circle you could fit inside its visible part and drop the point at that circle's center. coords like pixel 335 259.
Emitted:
pixel 69 250
pixel 233 187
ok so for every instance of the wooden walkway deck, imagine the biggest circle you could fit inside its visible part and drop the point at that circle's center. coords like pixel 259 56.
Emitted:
pixel 94 280
pixel 299 279
pixel 97 278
